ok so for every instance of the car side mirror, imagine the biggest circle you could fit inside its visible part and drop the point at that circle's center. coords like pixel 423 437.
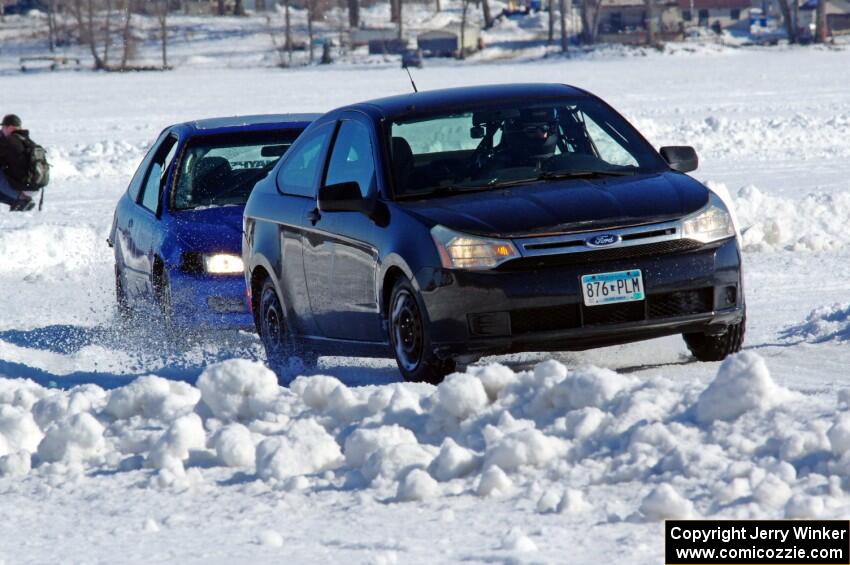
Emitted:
pixel 681 158
pixel 344 197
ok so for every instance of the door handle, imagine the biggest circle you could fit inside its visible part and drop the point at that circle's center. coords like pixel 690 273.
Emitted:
pixel 313 216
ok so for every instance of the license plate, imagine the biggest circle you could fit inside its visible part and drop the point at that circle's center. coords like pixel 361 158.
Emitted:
pixel 607 288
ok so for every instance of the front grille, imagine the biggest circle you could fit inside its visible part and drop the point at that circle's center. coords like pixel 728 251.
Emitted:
pixel 574 316
pixel 598 255
pixel 613 313
pixel 552 318
pixel 681 303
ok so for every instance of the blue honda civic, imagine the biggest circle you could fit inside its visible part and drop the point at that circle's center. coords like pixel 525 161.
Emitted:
pixel 177 229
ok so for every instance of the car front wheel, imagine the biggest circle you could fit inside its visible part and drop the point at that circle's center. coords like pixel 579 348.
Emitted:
pixel 717 347
pixel 410 338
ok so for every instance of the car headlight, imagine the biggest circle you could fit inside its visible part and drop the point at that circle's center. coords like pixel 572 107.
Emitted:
pixel 223 264
pixel 712 223
pixel 463 251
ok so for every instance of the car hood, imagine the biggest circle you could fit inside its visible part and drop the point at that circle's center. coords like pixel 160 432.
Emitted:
pixel 565 206
pixel 210 230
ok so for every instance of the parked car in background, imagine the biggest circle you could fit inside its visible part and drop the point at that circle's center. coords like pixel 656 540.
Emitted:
pixel 440 226
pixel 177 229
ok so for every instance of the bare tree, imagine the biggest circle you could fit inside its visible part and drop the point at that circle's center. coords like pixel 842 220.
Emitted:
pixel 222 7
pixel 562 5
pixel 84 15
pixel 354 14
pixel 162 18
pixel 551 21
pixel 288 32
pixel 400 18
pixel 461 54
pixel 395 10
pixel 651 31
pixel 127 35
pixel 51 24
pixel 437 7
pixel 790 28
pixel 260 5
pixel 821 30
pixel 488 16
pixel 238 8
pixel 311 6
pixel 590 13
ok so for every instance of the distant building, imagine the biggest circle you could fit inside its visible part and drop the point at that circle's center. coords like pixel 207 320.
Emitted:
pixel 445 42
pixel 837 16
pixel 365 35
pixel 727 14
pixel 627 21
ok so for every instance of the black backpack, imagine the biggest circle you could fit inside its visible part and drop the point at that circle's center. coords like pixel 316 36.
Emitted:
pixel 38 169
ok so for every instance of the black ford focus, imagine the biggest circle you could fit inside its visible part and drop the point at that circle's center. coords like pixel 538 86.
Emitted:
pixel 441 226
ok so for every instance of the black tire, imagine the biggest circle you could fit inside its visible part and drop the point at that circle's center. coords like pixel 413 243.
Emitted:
pixel 125 312
pixel 278 341
pixel 410 339
pixel 717 347
pixel 162 293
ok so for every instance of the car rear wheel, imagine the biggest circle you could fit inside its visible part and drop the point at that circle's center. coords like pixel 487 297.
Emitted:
pixel 717 347
pixel 162 293
pixel 410 339
pixel 125 313
pixel 280 345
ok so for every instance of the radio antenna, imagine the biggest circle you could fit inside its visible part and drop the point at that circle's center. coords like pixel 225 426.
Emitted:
pixel 413 84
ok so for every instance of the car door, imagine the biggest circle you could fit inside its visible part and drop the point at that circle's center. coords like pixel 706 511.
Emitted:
pixel 146 229
pixel 344 300
pixel 127 257
pixel 297 180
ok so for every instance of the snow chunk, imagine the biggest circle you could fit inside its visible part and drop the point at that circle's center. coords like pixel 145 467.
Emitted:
pixel 742 384
pixel 390 463
pixel 18 430
pixel 363 442
pixel 453 461
pixel 516 540
pixel 183 435
pixel 772 493
pixel 664 503
pixel 238 389
pixel 73 440
pixel 316 391
pixel 573 502
pixel 462 395
pixel 417 485
pixel 234 446
pixel 270 538
pixel 494 482
pixel 524 447
pixel 152 397
pixel 839 435
pixel 305 448
pixel 590 387
pixel 16 464
pixel 804 507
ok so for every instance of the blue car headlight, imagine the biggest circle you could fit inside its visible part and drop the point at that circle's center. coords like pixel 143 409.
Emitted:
pixel 223 264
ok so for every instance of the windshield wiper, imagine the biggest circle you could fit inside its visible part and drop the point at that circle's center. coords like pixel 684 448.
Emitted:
pixel 559 175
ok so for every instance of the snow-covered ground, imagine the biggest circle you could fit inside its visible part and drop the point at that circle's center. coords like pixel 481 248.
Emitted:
pixel 529 458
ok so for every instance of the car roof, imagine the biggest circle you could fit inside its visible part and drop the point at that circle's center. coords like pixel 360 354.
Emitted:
pixel 260 122
pixel 412 103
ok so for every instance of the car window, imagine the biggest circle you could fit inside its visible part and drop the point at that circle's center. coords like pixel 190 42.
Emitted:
pixel 351 158
pixel 156 173
pixel 222 169
pixel 609 146
pixel 298 173
pixel 139 176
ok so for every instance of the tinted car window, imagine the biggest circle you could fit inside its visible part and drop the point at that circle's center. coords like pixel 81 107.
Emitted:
pixel 139 176
pixel 223 169
pixel 298 173
pixel 156 173
pixel 351 158
pixel 489 146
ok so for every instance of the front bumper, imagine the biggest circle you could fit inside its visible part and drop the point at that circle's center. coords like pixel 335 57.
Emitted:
pixel 202 301
pixel 539 306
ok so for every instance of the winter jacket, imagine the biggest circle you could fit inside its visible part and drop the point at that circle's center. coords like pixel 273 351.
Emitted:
pixel 13 158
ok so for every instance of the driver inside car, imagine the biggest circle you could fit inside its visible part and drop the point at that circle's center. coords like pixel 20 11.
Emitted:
pixel 527 140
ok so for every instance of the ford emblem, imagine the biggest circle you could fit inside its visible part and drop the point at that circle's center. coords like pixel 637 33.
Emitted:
pixel 603 240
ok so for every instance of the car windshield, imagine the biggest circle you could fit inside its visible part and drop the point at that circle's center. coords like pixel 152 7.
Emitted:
pixel 488 147
pixel 222 170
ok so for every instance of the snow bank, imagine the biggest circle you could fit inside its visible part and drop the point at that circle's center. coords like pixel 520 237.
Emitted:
pixel 826 323
pixel 813 222
pixel 734 447
pixel 38 247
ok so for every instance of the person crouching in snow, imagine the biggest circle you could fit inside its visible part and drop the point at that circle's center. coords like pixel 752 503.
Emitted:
pixel 13 165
